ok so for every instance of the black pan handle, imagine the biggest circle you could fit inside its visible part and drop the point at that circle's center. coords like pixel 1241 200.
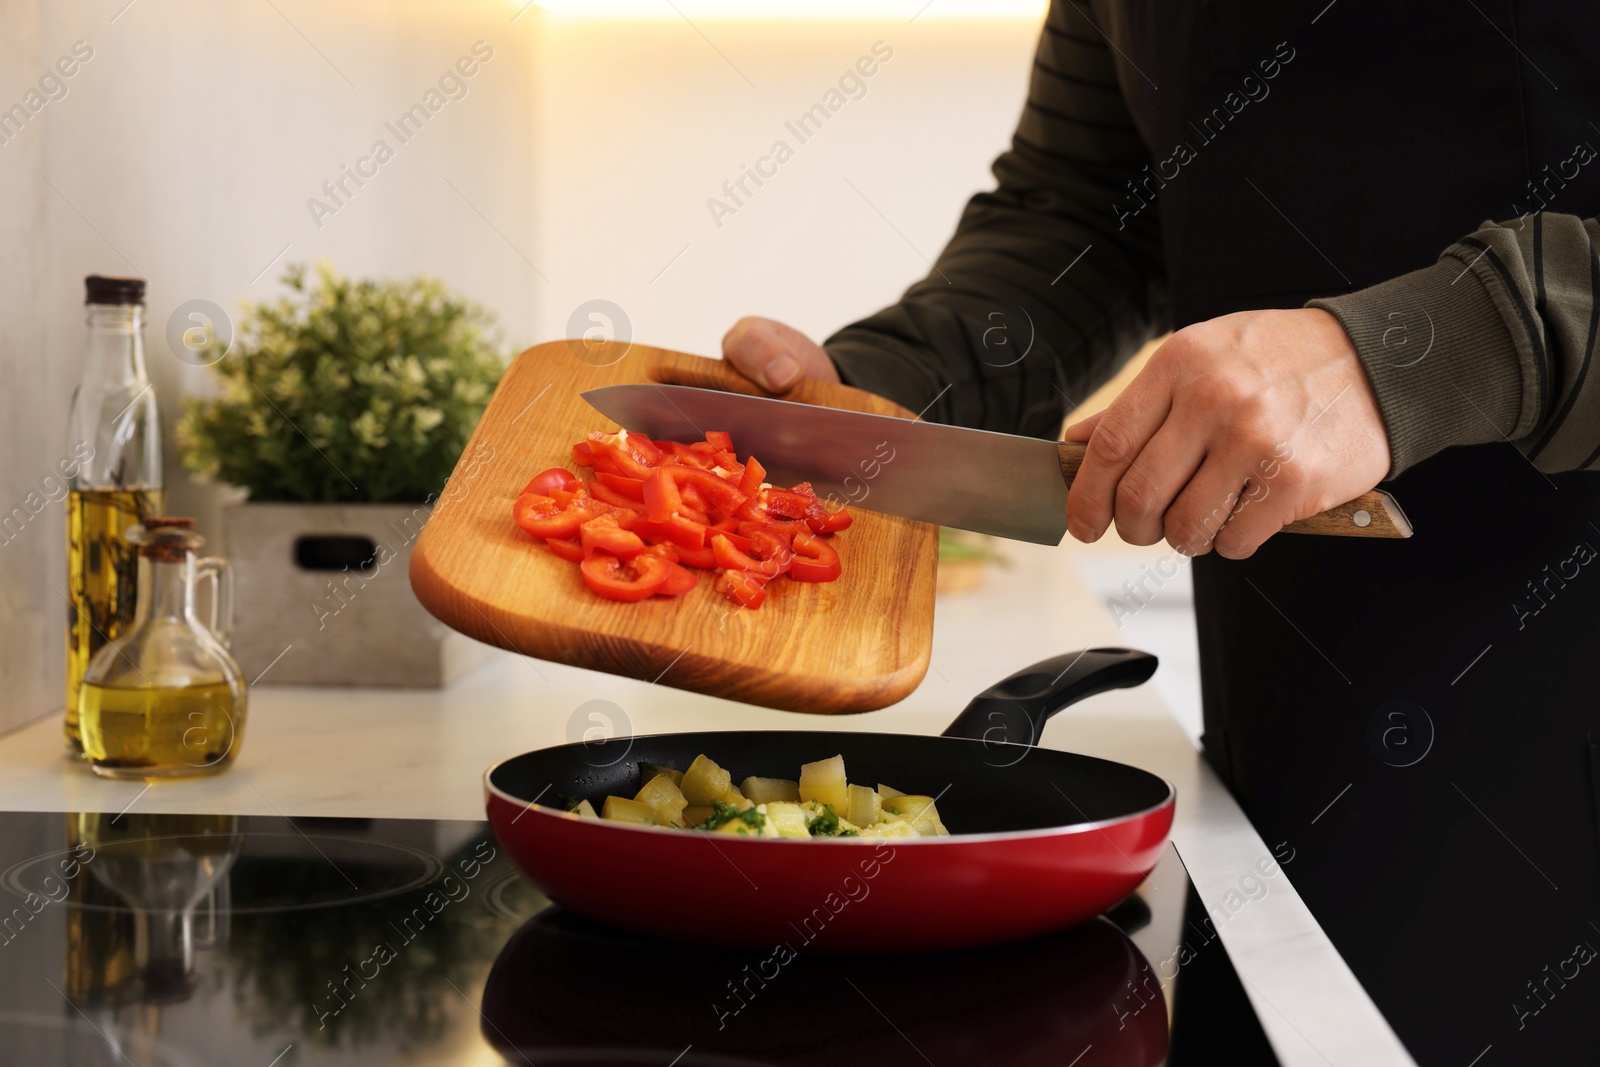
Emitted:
pixel 1016 709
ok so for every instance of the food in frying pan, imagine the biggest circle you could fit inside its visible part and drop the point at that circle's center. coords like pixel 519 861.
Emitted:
pixel 652 510
pixel 821 803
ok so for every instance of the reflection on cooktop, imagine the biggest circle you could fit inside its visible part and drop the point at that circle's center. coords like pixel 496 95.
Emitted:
pixel 176 940
pixel 1038 1002
pixel 272 871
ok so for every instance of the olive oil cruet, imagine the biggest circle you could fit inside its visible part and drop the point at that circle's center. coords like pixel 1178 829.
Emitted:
pixel 166 699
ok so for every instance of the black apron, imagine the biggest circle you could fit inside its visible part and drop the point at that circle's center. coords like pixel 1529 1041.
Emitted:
pixel 1417 722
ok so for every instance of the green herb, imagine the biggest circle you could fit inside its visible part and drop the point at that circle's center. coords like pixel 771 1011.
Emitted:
pixel 569 803
pixel 827 824
pixel 722 814
pixel 892 811
pixel 344 384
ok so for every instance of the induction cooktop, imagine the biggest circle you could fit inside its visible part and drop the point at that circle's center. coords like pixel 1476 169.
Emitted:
pixel 178 940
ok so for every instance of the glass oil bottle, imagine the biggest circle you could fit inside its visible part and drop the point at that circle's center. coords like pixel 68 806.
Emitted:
pixel 165 699
pixel 115 422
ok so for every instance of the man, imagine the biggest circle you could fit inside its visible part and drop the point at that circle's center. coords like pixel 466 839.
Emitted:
pixel 1417 719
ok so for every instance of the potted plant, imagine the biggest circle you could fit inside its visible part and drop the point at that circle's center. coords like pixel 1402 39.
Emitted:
pixel 342 410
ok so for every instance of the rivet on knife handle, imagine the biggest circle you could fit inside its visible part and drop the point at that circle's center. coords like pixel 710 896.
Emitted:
pixel 1372 514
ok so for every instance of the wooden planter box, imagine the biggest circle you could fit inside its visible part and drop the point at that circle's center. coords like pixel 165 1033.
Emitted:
pixel 322 598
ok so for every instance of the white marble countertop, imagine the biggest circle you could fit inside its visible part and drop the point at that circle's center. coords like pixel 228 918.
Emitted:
pixel 422 753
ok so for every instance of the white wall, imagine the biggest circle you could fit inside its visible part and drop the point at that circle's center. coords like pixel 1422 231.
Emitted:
pixel 640 121
pixel 585 151
pixel 32 615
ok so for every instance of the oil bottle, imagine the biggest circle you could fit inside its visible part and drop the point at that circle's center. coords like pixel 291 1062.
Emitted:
pixel 115 422
pixel 165 699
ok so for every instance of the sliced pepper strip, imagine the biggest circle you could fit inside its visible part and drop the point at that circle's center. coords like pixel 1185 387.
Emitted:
pixel 814 559
pixel 660 495
pixel 543 517
pixel 730 558
pixel 603 534
pixel 629 581
pixel 743 588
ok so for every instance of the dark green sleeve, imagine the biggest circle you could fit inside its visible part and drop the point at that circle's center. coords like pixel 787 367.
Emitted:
pixel 1045 290
pixel 1494 342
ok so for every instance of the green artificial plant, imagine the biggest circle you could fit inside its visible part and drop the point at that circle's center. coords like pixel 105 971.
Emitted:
pixel 345 391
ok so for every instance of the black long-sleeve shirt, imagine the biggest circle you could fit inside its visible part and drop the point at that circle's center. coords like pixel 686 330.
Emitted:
pixel 1047 265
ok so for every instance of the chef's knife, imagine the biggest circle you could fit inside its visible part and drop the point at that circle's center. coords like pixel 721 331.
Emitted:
pixel 993 483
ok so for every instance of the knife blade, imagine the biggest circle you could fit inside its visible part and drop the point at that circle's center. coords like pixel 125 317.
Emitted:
pixel 993 483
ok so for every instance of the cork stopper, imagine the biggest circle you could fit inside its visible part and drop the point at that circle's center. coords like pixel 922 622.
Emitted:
pixel 166 538
pixel 113 291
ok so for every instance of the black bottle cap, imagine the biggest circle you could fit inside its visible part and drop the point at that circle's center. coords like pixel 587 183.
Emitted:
pixel 100 289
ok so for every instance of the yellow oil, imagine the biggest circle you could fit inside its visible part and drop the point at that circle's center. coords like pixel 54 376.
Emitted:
pixel 152 731
pixel 102 578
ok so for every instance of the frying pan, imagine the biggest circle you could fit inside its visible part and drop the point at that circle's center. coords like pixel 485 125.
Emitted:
pixel 1040 839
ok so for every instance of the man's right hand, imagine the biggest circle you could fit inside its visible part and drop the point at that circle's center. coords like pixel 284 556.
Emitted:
pixel 775 356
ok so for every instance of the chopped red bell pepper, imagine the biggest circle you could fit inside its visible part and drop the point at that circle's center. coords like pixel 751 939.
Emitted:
pixel 653 512
pixel 617 579
pixel 814 560
pixel 731 558
pixel 602 534
pixel 632 488
pixel 822 520
pixel 682 532
pixel 743 588
pixel 754 475
pixel 786 503
pixel 543 517
pixel 679 581
pixel 552 479
pixel 567 548
pixel 703 557
pixel 607 495
pixel 660 495
pixel 718 494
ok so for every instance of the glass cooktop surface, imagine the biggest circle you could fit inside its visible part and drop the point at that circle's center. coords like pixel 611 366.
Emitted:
pixel 177 940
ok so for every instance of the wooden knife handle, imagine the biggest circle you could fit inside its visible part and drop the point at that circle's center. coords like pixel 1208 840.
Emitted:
pixel 1372 514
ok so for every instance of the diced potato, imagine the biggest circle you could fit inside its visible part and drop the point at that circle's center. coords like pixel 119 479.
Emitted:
pixel 863 805
pixel 695 814
pixel 733 795
pixel 648 770
pixel 787 819
pixel 766 790
pixel 665 799
pixel 887 791
pixel 920 812
pixel 585 810
pixel 621 809
pixel 824 781
pixel 906 805
pixel 752 822
pixel 704 781
pixel 895 828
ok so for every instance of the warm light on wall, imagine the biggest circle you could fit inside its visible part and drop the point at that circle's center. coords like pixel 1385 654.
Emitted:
pixel 791 9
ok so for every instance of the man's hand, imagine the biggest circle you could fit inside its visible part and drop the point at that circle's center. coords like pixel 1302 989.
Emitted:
pixel 1237 427
pixel 775 356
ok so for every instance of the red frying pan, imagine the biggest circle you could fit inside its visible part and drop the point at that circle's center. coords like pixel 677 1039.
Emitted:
pixel 1040 839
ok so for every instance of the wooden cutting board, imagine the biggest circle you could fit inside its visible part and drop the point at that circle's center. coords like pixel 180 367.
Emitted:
pixel 855 644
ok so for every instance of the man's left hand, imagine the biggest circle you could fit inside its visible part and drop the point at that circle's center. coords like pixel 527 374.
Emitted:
pixel 1237 427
